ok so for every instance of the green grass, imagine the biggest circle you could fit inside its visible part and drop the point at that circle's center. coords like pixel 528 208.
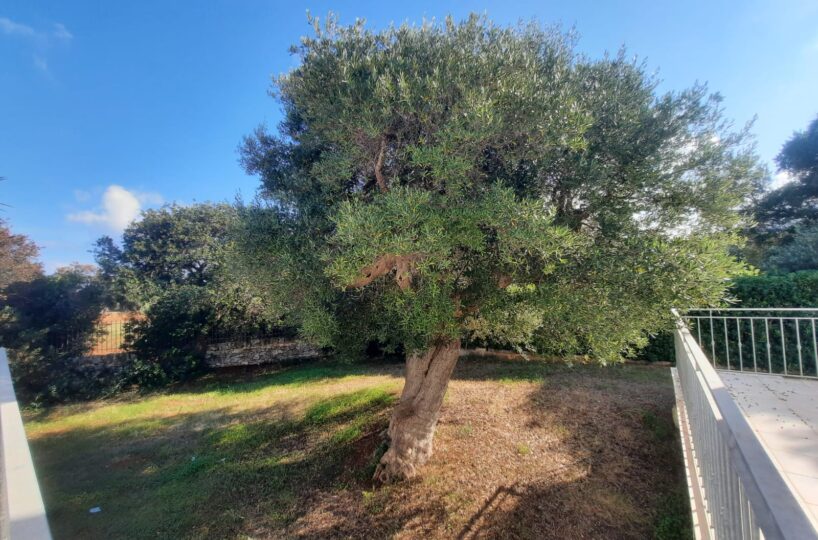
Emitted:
pixel 229 455
pixel 201 461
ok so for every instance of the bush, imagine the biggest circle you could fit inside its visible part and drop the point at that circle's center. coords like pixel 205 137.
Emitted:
pixel 797 289
pixel 47 324
pixel 660 348
pixel 170 342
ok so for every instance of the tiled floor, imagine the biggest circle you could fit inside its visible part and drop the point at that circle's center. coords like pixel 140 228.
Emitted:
pixel 784 413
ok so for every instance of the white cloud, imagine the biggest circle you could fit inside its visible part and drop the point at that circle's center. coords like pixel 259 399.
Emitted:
pixel 39 41
pixel 81 195
pixel 62 33
pixel 11 28
pixel 150 198
pixel 781 179
pixel 40 63
pixel 119 207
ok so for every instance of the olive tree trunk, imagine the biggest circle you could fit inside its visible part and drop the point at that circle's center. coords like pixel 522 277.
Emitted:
pixel 412 427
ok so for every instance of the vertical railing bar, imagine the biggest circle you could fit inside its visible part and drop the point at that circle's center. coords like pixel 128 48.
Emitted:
pixel 814 348
pixel 798 346
pixel 769 355
pixel 726 342
pixel 699 328
pixel 783 345
pixel 744 512
pixel 740 356
pixel 753 339
pixel 712 340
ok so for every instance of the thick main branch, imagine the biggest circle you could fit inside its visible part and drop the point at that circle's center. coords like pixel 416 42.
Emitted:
pixel 402 264
pixel 379 167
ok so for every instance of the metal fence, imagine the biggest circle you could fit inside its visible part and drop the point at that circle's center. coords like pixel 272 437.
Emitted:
pixel 114 337
pixel 743 494
pixel 767 340
pixel 106 338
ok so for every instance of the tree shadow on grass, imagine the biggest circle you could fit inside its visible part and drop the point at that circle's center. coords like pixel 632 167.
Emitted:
pixel 626 479
pixel 303 469
pixel 213 474
pixel 490 368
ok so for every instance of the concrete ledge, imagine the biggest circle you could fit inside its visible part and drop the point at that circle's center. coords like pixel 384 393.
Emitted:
pixel 23 512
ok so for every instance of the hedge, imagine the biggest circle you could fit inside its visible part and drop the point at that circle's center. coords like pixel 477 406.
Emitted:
pixel 797 289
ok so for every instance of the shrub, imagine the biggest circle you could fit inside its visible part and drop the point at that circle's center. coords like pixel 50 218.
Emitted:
pixel 797 289
pixel 168 343
pixel 48 323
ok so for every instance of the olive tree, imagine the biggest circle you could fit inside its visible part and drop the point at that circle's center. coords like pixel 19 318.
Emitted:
pixel 462 181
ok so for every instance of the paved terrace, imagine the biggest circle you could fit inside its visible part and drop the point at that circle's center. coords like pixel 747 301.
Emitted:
pixel 783 411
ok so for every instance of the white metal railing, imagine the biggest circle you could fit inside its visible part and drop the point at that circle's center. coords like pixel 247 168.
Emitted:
pixel 783 341
pixel 743 493
pixel 22 514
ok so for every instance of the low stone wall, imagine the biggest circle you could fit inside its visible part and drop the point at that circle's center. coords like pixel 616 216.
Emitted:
pixel 259 351
pixel 227 354
pixel 104 365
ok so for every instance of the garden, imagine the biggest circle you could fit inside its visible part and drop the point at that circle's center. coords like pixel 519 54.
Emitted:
pixel 520 447
pixel 430 190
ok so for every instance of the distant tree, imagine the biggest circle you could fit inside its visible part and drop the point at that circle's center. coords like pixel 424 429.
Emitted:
pixel 175 245
pixel 169 247
pixel 800 252
pixel 463 181
pixel 797 201
pixel 780 238
pixel 172 267
pixel 108 257
pixel 63 306
pixel 50 321
pixel 18 256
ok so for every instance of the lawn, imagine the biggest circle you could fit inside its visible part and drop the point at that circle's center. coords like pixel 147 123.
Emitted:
pixel 523 450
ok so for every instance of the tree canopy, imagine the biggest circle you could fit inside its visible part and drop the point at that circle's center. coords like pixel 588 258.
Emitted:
pixel 463 181
pixel 468 180
pixel 173 268
pixel 797 201
pixel 171 246
pixel 18 257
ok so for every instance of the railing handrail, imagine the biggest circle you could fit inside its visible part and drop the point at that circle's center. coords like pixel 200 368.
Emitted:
pixel 22 514
pixel 759 340
pixel 752 309
pixel 777 511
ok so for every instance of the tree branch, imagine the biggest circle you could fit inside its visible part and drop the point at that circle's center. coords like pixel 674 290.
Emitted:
pixel 402 264
pixel 379 166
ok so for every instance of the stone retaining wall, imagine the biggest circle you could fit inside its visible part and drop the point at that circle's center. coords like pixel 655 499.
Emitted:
pixel 227 354
pixel 259 351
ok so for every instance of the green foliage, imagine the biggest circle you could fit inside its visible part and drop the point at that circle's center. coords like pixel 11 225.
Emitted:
pixel 797 289
pixel 172 246
pixel 463 180
pixel 784 238
pixel 660 348
pixel 48 323
pixel 796 201
pixel 174 267
pixel 169 342
pixel 18 256
pixel 800 252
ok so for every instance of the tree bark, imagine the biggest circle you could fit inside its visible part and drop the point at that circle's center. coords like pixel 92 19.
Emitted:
pixel 412 427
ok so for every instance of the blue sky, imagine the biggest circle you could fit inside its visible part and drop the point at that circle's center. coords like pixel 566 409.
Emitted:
pixel 107 108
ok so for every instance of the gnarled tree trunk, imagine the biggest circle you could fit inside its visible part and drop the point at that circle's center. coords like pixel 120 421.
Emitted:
pixel 414 419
